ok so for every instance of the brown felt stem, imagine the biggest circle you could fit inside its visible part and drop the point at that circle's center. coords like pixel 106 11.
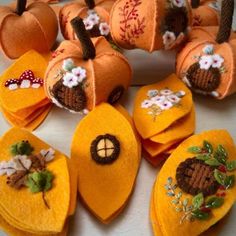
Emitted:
pixel 90 3
pixel 227 11
pixel 20 7
pixel 195 3
pixel 89 51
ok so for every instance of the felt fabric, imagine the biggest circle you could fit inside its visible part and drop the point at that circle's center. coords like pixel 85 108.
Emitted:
pixel 25 210
pixel 164 208
pixel 144 29
pixel 79 8
pixel 146 125
pixel 36 28
pixel 101 79
pixel 105 189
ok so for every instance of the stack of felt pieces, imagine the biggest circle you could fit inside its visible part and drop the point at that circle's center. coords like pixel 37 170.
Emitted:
pixel 38 190
pixel 164 116
pixel 22 98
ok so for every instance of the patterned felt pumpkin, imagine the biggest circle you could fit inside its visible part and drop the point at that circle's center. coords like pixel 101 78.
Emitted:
pixel 205 12
pixel 94 13
pixel 85 72
pixel 34 27
pixel 207 65
pixel 150 25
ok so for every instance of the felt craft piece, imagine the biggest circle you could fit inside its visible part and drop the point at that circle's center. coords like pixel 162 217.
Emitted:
pixel 207 65
pixel 23 209
pixel 150 25
pixel 159 105
pixel 80 75
pixel 95 14
pixel 212 154
pixel 35 27
pixel 205 12
pixel 105 187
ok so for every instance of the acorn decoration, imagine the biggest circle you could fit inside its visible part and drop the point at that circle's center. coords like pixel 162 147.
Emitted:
pixel 23 29
pixel 207 65
pixel 86 72
pixel 150 25
pixel 95 15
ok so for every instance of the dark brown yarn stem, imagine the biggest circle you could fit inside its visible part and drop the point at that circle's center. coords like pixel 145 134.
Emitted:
pixel 89 51
pixel 227 11
pixel 195 3
pixel 20 7
pixel 90 3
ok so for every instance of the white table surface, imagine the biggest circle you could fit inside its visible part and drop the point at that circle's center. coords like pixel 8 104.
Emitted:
pixel 59 126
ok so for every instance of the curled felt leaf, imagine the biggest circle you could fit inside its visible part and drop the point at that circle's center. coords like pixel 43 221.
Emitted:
pixel 38 161
pixel 198 200
pixel 7 168
pixel 48 154
pixel 200 215
pixel 21 148
pixel 214 202
pixel 18 179
pixel 231 165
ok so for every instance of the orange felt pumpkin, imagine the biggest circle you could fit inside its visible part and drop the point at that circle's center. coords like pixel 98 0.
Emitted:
pixel 85 72
pixel 207 65
pixel 94 13
pixel 150 25
pixel 34 27
pixel 205 12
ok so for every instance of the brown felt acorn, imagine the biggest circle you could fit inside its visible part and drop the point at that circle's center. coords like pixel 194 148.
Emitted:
pixel 23 29
pixel 95 14
pixel 150 25
pixel 86 72
pixel 207 65
pixel 205 13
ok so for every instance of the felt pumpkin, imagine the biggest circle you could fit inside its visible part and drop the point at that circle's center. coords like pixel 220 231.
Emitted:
pixel 207 65
pixel 150 25
pixel 34 27
pixel 205 13
pixel 95 14
pixel 85 73
pixel 195 190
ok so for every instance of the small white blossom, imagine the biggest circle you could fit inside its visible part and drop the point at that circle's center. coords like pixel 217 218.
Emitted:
pixel 70 80
pixel 48 154
pixel 166 105
pixel 158 99
pixel 217 61
pixel 173 98
pixel 168 38
pixel 68 64
pixel 152 92
pixel 80 73
pixel 166 92
pixel 22 162
pixel 178 3
pixel 85 111
pixel 208 49
pixel 180 93
pixel 25 83
pixel 205 62
pixel 147 103
pixel 104 29
pixel 93 18
pixel 88 24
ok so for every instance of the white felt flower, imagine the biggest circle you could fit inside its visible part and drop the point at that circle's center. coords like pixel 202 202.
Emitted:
pixel 93 18
pixel 158 99
pixel 208 49
pixel 173 98
pixel 68 64
pixel 22 162
pixel 48 154
pixel 152 93
pixel 180 93
pixel 88 24
pixel 166 105
pixel 6 168
pixel 166 92
pixel 104 29
pixel 178 3
pixel 80 73
pixel 25 83
pixel 168 38
pixel 70 80
pixel 217 61
pixel 147 103
pixel 205 62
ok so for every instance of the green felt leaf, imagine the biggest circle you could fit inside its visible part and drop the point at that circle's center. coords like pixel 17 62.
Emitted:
pixel 212 162
pixel 221 154
pixel 198 200
pixel 220 177
pixel 195 150
pixel 203 157
pixel 21 148
pixel 229 181
pixel 200 215
pixel 214 202
pixel 231 165
pixel 208 146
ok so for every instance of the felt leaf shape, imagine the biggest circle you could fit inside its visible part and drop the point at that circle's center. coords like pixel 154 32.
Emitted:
pixel 97 182
pixel 163 199
pixel 152 120
pixel 34 216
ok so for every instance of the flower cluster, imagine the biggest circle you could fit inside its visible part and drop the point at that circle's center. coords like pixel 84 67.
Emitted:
pixel 92 20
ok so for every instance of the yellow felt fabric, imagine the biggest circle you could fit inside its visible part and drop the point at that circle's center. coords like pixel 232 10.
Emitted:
pixel 144 122
pixel 25 209
pixel 105 188
pixel 19 99
pixel 182 128
pixel 165 209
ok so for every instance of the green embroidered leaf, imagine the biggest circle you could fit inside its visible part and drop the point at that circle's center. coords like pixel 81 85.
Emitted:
pixel 40 181
pixel 198 200
pixel 220 177
pixel 203 157
pixel 208 146
pixel 195 150
pixel 200 215
pixel 214 202
pixel 115 47
pixel 212 162
pixel 229 181
pixel 21 148
pixel 221 154
pixel 231 165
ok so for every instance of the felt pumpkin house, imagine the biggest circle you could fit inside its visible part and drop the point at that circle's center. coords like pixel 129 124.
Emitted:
pixel 85 72
pixel 205 12
pixel 150 25
pixel 23 29
pixel 95 14
pixel 207 65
